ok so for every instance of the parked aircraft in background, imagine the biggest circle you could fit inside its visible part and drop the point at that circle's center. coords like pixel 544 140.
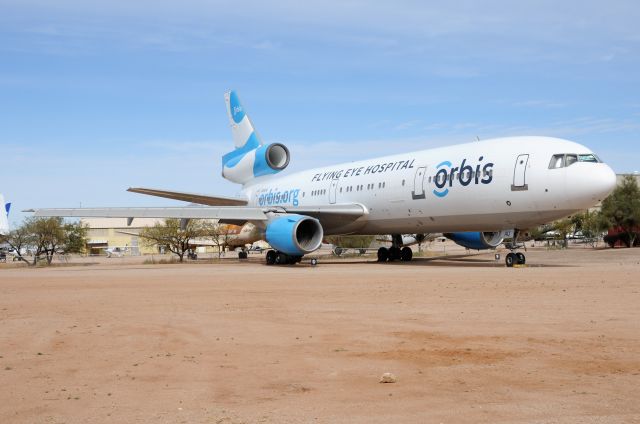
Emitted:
pixel 4 216
pixel 475 194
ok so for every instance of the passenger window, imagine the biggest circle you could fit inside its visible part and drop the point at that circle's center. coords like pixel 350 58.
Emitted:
pixel 570 160
pixel 557 161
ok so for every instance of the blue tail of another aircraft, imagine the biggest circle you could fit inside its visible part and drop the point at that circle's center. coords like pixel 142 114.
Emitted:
pixel 4 217
pixel 250 158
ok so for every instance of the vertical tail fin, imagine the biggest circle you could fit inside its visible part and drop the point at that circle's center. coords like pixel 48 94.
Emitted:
pixel 249 159
pixel 244 134
pixel 4 216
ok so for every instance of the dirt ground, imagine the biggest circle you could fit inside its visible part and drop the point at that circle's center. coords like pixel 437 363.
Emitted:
pixel 468 340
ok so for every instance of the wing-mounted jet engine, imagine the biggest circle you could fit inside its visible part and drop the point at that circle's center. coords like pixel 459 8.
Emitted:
pixel 292 236
pixel 478 240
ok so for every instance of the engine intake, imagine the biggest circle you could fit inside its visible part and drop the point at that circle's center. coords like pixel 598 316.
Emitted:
pixel 242 165
pixel 294 234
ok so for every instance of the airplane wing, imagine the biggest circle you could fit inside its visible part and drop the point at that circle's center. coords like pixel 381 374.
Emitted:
pixel 223 212
pixel 237 215
pixel 200 199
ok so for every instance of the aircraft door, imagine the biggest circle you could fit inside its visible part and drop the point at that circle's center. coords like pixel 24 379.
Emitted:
pixel 333 188
pixel 520 173
pixel 418 184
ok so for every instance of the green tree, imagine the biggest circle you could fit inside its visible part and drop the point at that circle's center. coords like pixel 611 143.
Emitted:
pixel 219 234
pixel 622 208
pixel 173 236
pixel 351 242
pixel 564 227
pixel 75 237
pixel 48 236
pixel 578 220
pixel 594 224
pixel 20 239
pixel 40 237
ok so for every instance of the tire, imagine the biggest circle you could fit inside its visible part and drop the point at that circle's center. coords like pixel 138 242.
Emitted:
pixel 521 260
pixel 271 257
pixel 282 258
pixel 510 259
pixel 314 262
pixel 406 254
pixel 394 254
pixel 383 254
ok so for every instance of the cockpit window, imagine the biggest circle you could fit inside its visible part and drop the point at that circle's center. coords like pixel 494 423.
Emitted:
pixel 568 159
pixel 557 161
pixel 588 158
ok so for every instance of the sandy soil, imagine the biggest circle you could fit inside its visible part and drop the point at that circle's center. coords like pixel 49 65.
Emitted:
pixel 468 340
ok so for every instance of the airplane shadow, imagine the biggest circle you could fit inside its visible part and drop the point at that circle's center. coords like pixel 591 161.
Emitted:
pixel 467 261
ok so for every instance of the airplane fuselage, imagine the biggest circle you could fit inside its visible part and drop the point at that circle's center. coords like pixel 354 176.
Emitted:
pixel 490 185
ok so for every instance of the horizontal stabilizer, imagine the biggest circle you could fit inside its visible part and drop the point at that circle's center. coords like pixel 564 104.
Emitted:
pixel 200 199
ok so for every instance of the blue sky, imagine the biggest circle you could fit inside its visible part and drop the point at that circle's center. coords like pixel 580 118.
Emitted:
pixel 99 96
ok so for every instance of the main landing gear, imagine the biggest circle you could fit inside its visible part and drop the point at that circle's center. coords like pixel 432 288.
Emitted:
pixel 515 258
pixel 395 252
pixel 278 258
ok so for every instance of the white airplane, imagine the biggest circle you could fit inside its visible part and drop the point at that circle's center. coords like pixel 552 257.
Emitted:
pixel 476 194
pixel 4 217
pixel 115 251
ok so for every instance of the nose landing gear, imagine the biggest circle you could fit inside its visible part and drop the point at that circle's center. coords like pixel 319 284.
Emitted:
pixel 515 258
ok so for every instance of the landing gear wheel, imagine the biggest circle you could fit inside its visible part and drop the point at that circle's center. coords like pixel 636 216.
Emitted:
pixel 520 258
pixel 394 254
pixel 314 262
pixel 510 259
pixel 271 257
pixel 383 254
pixel 406 254
pixel 242 255
pixel 282 258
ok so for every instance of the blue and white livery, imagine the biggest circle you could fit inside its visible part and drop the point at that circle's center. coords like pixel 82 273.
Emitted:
pixel 250 158
pixel 477 194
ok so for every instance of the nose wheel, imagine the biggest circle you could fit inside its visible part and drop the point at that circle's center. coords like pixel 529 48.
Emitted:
pixel 515 258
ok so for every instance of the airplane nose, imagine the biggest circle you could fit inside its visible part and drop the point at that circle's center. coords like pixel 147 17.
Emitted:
pixel 607 182
pixel 600 182
pixel 589 184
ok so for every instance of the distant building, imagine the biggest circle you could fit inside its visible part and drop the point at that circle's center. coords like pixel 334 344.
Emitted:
pixel 619 178
pixel 106 233
pixel 635 174
pixel 114 232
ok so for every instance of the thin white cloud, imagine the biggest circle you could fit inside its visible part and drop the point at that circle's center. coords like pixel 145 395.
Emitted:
pixel 547 104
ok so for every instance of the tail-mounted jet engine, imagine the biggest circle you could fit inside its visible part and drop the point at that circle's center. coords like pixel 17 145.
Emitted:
pixel 294 235
pixel 478 240
pixel 243 165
